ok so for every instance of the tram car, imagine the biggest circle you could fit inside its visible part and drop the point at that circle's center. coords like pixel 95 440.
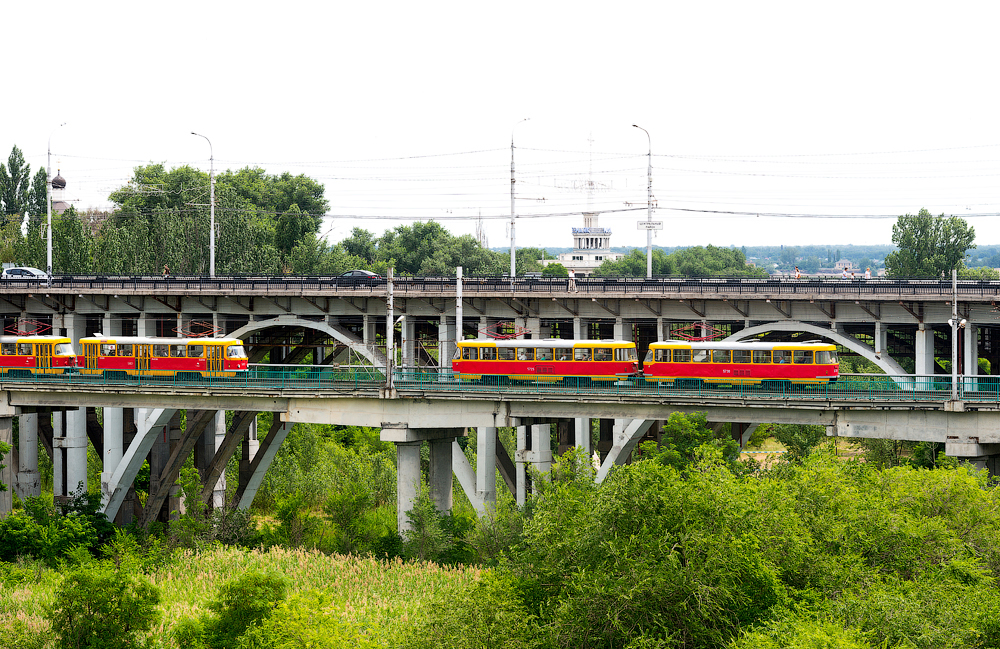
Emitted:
pixel 741 363
pixel 547 359
pixel 144 356
pixel 36 355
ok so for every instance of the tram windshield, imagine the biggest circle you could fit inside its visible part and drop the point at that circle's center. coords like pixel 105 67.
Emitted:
pixel 235 351
pixel 63 349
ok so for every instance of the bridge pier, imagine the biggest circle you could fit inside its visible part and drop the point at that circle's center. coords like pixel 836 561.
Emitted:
pixel 28 480
pixel 7 473
pixel 982 456
pixel 408 475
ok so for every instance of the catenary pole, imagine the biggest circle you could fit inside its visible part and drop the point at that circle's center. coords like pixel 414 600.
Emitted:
pixel 513 247
pixel 211 207
pixel 48 208
pixel 649 203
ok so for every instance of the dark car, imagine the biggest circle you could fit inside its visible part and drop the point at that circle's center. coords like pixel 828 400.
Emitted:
pixel 362 277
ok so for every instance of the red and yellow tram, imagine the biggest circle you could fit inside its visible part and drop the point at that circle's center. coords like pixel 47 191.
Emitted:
pixel 741 363
pixel 36 354
pixel 144 356
pixel 547 359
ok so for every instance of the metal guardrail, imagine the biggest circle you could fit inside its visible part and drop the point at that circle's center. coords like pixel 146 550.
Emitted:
pixel 874 288
pixel 872 388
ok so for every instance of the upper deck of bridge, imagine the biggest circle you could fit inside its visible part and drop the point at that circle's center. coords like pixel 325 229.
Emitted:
pixel 889 290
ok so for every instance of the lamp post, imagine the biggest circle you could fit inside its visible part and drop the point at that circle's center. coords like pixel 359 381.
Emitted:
pixel 211 207
pixel 513 271
pixel 649 204
pixel 48 207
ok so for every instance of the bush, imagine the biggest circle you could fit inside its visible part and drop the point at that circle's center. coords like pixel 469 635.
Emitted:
pixel 242 602
pixel 311 619
pixel 101 607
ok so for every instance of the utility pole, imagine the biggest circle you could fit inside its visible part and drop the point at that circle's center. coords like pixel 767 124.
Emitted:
pixel 211 207
pixel 48 208
pixel 649 205
pixel 513 248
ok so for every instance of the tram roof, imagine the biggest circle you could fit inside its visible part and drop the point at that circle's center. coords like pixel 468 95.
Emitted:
pixel 719 344
pixel 25 339
pixel 147 340
pixel 558 343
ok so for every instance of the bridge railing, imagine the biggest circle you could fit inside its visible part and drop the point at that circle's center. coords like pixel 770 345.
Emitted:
pixel 667 285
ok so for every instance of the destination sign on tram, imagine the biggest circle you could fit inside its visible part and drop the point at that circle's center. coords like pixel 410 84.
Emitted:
pixel 650 225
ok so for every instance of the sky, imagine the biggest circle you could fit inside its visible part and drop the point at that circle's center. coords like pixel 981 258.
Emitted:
pixel 769 123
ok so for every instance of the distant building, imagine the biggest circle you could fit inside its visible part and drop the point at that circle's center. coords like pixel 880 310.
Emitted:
pixel 59 203
pixel 842 264
pixel 591 248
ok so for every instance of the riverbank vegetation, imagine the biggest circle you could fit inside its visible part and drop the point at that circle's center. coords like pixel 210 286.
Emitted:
pixel 688 546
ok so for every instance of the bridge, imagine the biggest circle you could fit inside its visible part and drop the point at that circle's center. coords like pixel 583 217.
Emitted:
pixel 402 383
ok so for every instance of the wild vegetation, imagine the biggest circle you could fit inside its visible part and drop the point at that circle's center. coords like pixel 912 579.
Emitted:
pixel 687 546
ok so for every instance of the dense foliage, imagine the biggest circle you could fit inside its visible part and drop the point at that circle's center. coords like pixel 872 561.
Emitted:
pixel 929 246
pixel 696 261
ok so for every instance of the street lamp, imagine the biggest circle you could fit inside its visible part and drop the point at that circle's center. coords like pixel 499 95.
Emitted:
pixel 48 207
pixel 649 205
pixel 513 271
pixel 211 207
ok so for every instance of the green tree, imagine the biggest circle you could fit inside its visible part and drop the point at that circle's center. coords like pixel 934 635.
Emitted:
pixel 361 244
pixel 37 206
pixel 15 184
pixel 929 246
pixel 555 270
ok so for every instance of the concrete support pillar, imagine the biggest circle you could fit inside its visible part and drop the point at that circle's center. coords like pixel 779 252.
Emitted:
pixel 407 481
pixel 439 473
pixel 486 466
pixel 28 480
pixel 250 446
pixel 204 451
pixel 970 350
pixel 620 329
pixel 660 334
pixel 484 323
pixel 7 473
pixel 114 446
pixel 446 341
pixel 175 502
pixel 58 454
pixel 159 452
pixel 534 327
pixel 75 444
pixel 880 337
pixel 368 331
pixel 409 327
pixel 924 352
pixel 581 427
pixel 577 328
pixel 521 474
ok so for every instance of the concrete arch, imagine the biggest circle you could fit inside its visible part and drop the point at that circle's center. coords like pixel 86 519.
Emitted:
pixel 337 333
pixel 883 360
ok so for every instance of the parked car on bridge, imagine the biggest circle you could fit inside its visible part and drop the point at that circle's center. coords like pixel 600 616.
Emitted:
pixel 22 272
pixel 363 277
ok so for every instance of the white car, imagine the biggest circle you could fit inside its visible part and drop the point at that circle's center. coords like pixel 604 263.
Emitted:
pixel 22 272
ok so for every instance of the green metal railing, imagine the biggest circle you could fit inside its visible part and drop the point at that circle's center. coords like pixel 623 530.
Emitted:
pixel 849 387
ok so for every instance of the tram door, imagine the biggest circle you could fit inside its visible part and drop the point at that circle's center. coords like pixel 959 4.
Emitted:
pixel 90 356
pixel 43 355
pixel 143 353
pixel 214 353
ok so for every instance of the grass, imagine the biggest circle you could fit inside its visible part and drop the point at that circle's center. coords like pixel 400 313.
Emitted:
pixel 384 596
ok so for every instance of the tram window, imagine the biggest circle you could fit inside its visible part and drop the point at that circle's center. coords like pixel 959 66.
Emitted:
pixel 581 354
pixel 543 354
pixel 470 354
pixel 108 349
pixel 124 350
pixel 488 353
pixel 682 355
pixel 802 357
pixel 701 356
pixel 505 353
pixel 782 356
pixel 826 358
pixel 235 351
pixel 761 356
pixel 63 349
pixel 602 354
pixel 662 355
pixel 721 356
pixel 525 354
pixel 178 351
pixel 24 349
pixel 8 349
pixel 196 351
pixel 622 354
pixel 631 354
pixel 565 354
pixel 163 351
pixel 741 356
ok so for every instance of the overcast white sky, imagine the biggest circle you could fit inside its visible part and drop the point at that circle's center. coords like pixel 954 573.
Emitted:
pixel 405 110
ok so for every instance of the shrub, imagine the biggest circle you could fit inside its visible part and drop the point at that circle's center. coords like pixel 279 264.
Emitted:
pixel 309 619
pixel 101 607
pixel 242 602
